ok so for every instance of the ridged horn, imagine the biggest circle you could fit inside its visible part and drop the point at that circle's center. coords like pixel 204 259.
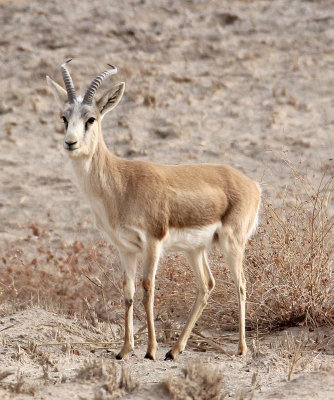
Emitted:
pixel 88 99
pixel 68 82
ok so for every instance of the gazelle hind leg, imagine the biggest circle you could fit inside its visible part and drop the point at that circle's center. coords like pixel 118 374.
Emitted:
pixel 208 273
pixel 129 266
pixel 205 284
pixel 236 268
pixel 233 250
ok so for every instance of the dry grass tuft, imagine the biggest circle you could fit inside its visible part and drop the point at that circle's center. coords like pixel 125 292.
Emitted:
pixel 294 350
pixel 110 384
pixel 96 370
pixel 126 382
pixel 198 382
pixel 21 386
pixel 248 393
pixel 38 355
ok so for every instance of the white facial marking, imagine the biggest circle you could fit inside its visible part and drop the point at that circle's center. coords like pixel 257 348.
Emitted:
pixel 79 136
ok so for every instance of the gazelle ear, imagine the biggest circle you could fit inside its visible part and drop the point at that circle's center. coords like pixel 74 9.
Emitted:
pixel 110 98
pixel 59 92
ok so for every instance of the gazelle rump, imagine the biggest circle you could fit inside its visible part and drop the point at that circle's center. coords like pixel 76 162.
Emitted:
pixel 146 208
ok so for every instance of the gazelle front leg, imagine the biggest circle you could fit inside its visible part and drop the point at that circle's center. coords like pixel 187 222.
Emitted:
pixel 129 266
pixel 150 267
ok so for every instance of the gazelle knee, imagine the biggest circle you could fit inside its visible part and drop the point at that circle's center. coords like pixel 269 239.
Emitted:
pixel 242 292
pixel 204 292
pixel 211 284
pixel 128 302
pixel 147 285
pixel 147 288
pixel 129 290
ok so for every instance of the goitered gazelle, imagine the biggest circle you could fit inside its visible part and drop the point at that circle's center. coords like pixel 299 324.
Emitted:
pixel 146 208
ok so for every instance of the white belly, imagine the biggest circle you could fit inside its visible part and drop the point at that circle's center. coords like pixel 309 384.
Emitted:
pixel 190 238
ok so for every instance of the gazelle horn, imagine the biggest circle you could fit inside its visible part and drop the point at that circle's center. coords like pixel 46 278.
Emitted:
pixel 88 99
pixel 68 82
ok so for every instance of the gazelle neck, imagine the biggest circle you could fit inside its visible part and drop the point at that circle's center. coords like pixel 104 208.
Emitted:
pixel 97 169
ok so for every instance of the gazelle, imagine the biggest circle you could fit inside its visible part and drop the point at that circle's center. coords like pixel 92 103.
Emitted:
pixel 146 208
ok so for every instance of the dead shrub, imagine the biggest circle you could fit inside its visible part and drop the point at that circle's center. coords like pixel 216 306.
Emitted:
pixel 289 265
pixel 197 382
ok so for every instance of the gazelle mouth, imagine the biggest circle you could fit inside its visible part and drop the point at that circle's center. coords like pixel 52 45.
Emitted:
pixel 71 148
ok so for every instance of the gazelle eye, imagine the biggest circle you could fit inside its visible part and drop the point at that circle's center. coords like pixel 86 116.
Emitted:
pixel 65 121
pixel 90 121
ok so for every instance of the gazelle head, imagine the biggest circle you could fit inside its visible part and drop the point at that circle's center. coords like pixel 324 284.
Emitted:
pixel 82 116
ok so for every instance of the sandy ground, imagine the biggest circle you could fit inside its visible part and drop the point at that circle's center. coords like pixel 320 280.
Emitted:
pixel 245 83
pixel 51 372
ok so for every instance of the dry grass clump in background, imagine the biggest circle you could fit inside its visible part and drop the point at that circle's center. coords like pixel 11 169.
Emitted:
pixel 110 384
pixel 198 382
pixel 61 278
pixel 288 265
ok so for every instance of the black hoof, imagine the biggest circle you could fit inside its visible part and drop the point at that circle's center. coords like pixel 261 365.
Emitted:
pixel 169 356
pixel 149 356
pixel 119 357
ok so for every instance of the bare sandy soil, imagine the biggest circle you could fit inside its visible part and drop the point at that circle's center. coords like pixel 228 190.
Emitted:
pixel 246 83
pixel 57 371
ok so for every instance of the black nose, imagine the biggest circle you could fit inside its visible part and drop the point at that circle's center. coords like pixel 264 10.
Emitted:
pixel 70 144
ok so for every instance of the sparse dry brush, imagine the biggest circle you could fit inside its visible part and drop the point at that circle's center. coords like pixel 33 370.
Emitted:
pixel 288 264
pixel 198 382
pixel 64 278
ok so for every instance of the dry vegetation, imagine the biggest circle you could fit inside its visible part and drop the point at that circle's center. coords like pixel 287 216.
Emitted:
pixel 197 382
pixel 290 264
pixel 289 268
pixel 109 383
